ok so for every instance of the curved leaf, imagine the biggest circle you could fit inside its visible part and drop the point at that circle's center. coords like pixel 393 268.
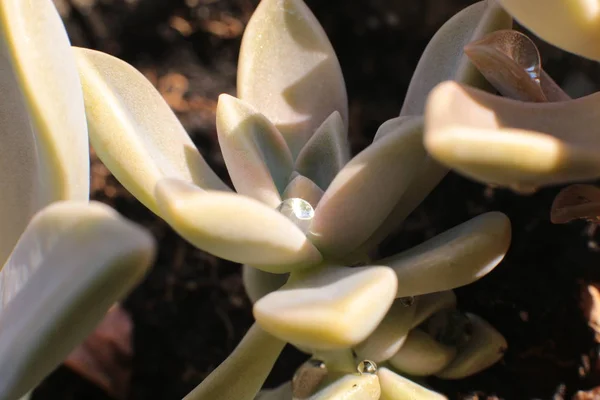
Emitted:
pixel 133 130
pixel 243 373
pixel 576 202
pixel 453 258
pixel 396 387
pixel 303 188
pixel 510 143
pixel 260 283
pixel 257 157
pixel 421 355
pixel 288 70
pixel 94 260
pixel 328 308
pixel 235 227
pixel 351 387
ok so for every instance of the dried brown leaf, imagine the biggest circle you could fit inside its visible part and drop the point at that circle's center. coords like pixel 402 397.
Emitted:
pixel 576 202
pixel 590 305
pixel 105 356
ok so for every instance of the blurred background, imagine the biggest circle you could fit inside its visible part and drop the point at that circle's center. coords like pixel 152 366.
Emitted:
pixel 191 311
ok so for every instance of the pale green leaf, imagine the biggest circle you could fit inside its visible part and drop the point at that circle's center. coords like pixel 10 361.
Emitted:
pixel 96 258
pixel 235 227
pixel 396 387
pixel 259 283
pixel 351 387
pixel 258 160
pixel 289 71
pixel 421 355
pixel 133 130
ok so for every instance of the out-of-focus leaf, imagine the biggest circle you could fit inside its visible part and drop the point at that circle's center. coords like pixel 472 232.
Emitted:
pixel 289 71
pixel 44 155
pixel 511 62
pixel 453 258
pixel 133 130
pixel 572 25
pixel 485 348
pixel 259 283
pixel 258 159
pixel 421 355
pixel 576 202
pixel 243 373
pixel 330 308
pixel 92 264
pixel 235 227
pixel 282 392
pixel 389 336
pixel 105 356
pixel 366 189
pixel 509 143
pixel 326 152
pixel 430 303
pixel 396 387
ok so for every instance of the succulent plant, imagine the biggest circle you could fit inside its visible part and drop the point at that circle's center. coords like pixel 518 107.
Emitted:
pixel 306 218
pixel 535 135
pixel 65 260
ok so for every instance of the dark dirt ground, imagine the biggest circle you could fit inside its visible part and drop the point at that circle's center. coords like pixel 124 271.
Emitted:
pixel 191 310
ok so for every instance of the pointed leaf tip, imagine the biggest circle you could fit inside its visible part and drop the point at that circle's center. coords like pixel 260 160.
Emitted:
pixel 288 70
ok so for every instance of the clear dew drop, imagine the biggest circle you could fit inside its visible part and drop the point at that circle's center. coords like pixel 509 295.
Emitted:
pixel 367 367
pixel 299 211
pixel 307 378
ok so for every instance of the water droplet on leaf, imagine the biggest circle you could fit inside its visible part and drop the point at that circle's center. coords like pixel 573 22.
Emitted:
pixel 367 367
pixel 299 211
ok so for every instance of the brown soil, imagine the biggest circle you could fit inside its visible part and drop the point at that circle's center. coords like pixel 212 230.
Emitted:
pixel 191 310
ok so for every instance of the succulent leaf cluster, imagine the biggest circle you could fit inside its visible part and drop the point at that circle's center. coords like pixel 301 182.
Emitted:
pixel 305 218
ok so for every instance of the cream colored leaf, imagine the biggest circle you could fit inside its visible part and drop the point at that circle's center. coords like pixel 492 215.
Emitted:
pixel 366 190
pixel 572 25
pixel 511 62
pixel 453 258
pixel 260 283
pixel 485 348
pixel 421 355
pixel 289 71
pixel 389 336
pixel 91 264
pixel 133 130
pixel 510 143
pixel 44 155
pixel 351 387
pixel 282 392
pixel 326 152
pixel 328 308
pixel 235 227
pixel 258 159
pixel 303 188
pixel 396 387
pixel 243 373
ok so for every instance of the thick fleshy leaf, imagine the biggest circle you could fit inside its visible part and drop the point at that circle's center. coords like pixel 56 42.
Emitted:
pixel 235 227
pixel 442 59
pixel 576 202
pixel 258 159
pixel 366 190
pixel 259 283
pixel 289 72
pixel 485 348
pixel 326 152
pixel 510 143
pixel 453 258
pixel 133 130
pixel 511 62
pixel 303 188
pixel 94 259
pixel 391 333
pixel 243 373
pixel 421 355
pixel 351 387
pixel 44 155
pixel 572 25
pixel 431 303
pixel 396 387
pixel 328 308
